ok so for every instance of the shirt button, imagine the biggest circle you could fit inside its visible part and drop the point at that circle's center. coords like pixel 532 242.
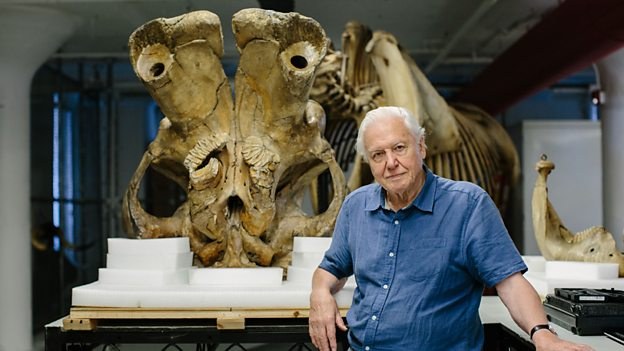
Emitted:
pixel 385 286
pixel 396 221
pixel 391 254
pixel 367 348
pixel 374 318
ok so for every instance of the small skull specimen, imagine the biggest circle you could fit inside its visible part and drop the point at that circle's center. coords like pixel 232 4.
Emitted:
pixel 556 242
pixel 245 157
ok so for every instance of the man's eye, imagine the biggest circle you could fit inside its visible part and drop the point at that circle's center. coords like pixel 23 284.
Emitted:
pixel 376 156
pixel 400 148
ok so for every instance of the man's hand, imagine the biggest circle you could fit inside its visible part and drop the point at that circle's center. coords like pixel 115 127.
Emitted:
pixel 544 340
pixel 324 317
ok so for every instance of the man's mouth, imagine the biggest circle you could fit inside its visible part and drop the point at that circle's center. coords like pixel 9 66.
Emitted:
pixel 394 176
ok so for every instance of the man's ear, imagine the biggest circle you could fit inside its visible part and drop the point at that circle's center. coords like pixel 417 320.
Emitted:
pixel 422 147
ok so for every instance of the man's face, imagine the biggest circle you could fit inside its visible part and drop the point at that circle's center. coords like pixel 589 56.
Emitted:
pixel 395 157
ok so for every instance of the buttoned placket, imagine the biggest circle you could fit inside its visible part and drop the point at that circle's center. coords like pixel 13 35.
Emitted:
pixel 393 240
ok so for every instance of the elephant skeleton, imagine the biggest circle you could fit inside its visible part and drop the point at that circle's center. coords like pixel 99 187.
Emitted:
pixel 464 143
pixel 556 242
pixel 245 163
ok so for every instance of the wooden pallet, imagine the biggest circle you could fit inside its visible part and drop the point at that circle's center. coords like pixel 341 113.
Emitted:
pixel 86 318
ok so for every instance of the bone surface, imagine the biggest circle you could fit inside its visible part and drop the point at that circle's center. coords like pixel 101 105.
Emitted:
pixel 244 162
pixel 463 142
pixel 555 241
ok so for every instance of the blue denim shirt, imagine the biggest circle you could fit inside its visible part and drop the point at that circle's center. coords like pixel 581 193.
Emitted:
pixel 420 272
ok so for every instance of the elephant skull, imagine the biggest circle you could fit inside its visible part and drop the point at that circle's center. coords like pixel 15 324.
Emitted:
pixel 244 162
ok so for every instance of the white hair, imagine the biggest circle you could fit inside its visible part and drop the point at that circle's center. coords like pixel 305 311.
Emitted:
pixel 385 112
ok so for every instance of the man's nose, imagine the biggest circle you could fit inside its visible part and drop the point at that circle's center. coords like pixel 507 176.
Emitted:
pixel 392 160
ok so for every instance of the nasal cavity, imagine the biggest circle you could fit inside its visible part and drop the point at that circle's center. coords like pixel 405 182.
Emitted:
pixel 235 204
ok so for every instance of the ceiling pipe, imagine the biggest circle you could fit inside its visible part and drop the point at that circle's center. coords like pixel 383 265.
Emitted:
pixel 570 38
pixel 481 10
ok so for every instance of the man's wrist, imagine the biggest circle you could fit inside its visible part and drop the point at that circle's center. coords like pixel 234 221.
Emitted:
pixel 540 327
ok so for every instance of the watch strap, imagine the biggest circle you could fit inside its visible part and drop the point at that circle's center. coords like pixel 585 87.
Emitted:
pixel 540 327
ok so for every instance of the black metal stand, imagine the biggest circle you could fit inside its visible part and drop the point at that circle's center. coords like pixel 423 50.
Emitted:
pixel 500 338
pixel 193 331
pixel 204 333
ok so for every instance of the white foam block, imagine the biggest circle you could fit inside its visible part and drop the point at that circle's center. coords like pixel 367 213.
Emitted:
pixel 150 260
pixel 307 259
pixel 581 270
pixel 137 246
pixel 535 263
pixel 300 274
pixel 310 244
pixel 143 277
pixel 286 296
pixel 303 276
pixel 240 277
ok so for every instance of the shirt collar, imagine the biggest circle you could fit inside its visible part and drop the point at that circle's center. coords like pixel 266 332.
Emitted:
pixel 424 200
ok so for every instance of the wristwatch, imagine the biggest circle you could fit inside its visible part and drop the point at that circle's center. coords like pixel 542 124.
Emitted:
pixel 540 327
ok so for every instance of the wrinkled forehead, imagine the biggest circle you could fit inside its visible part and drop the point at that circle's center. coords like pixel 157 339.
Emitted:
pixel 386 132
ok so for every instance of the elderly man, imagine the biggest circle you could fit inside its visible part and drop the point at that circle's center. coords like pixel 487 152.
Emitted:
pixel 422 249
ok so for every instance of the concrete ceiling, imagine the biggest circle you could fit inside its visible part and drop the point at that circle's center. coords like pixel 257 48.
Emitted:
pixel 441 35
pixel 433 31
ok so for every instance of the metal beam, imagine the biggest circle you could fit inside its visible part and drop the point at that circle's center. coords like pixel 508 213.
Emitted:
pixel 570 38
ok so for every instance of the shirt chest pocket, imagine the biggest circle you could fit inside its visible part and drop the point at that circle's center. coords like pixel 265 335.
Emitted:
pixel 424 259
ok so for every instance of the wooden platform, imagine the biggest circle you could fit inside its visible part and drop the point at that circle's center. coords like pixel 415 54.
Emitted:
pixel 227 318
